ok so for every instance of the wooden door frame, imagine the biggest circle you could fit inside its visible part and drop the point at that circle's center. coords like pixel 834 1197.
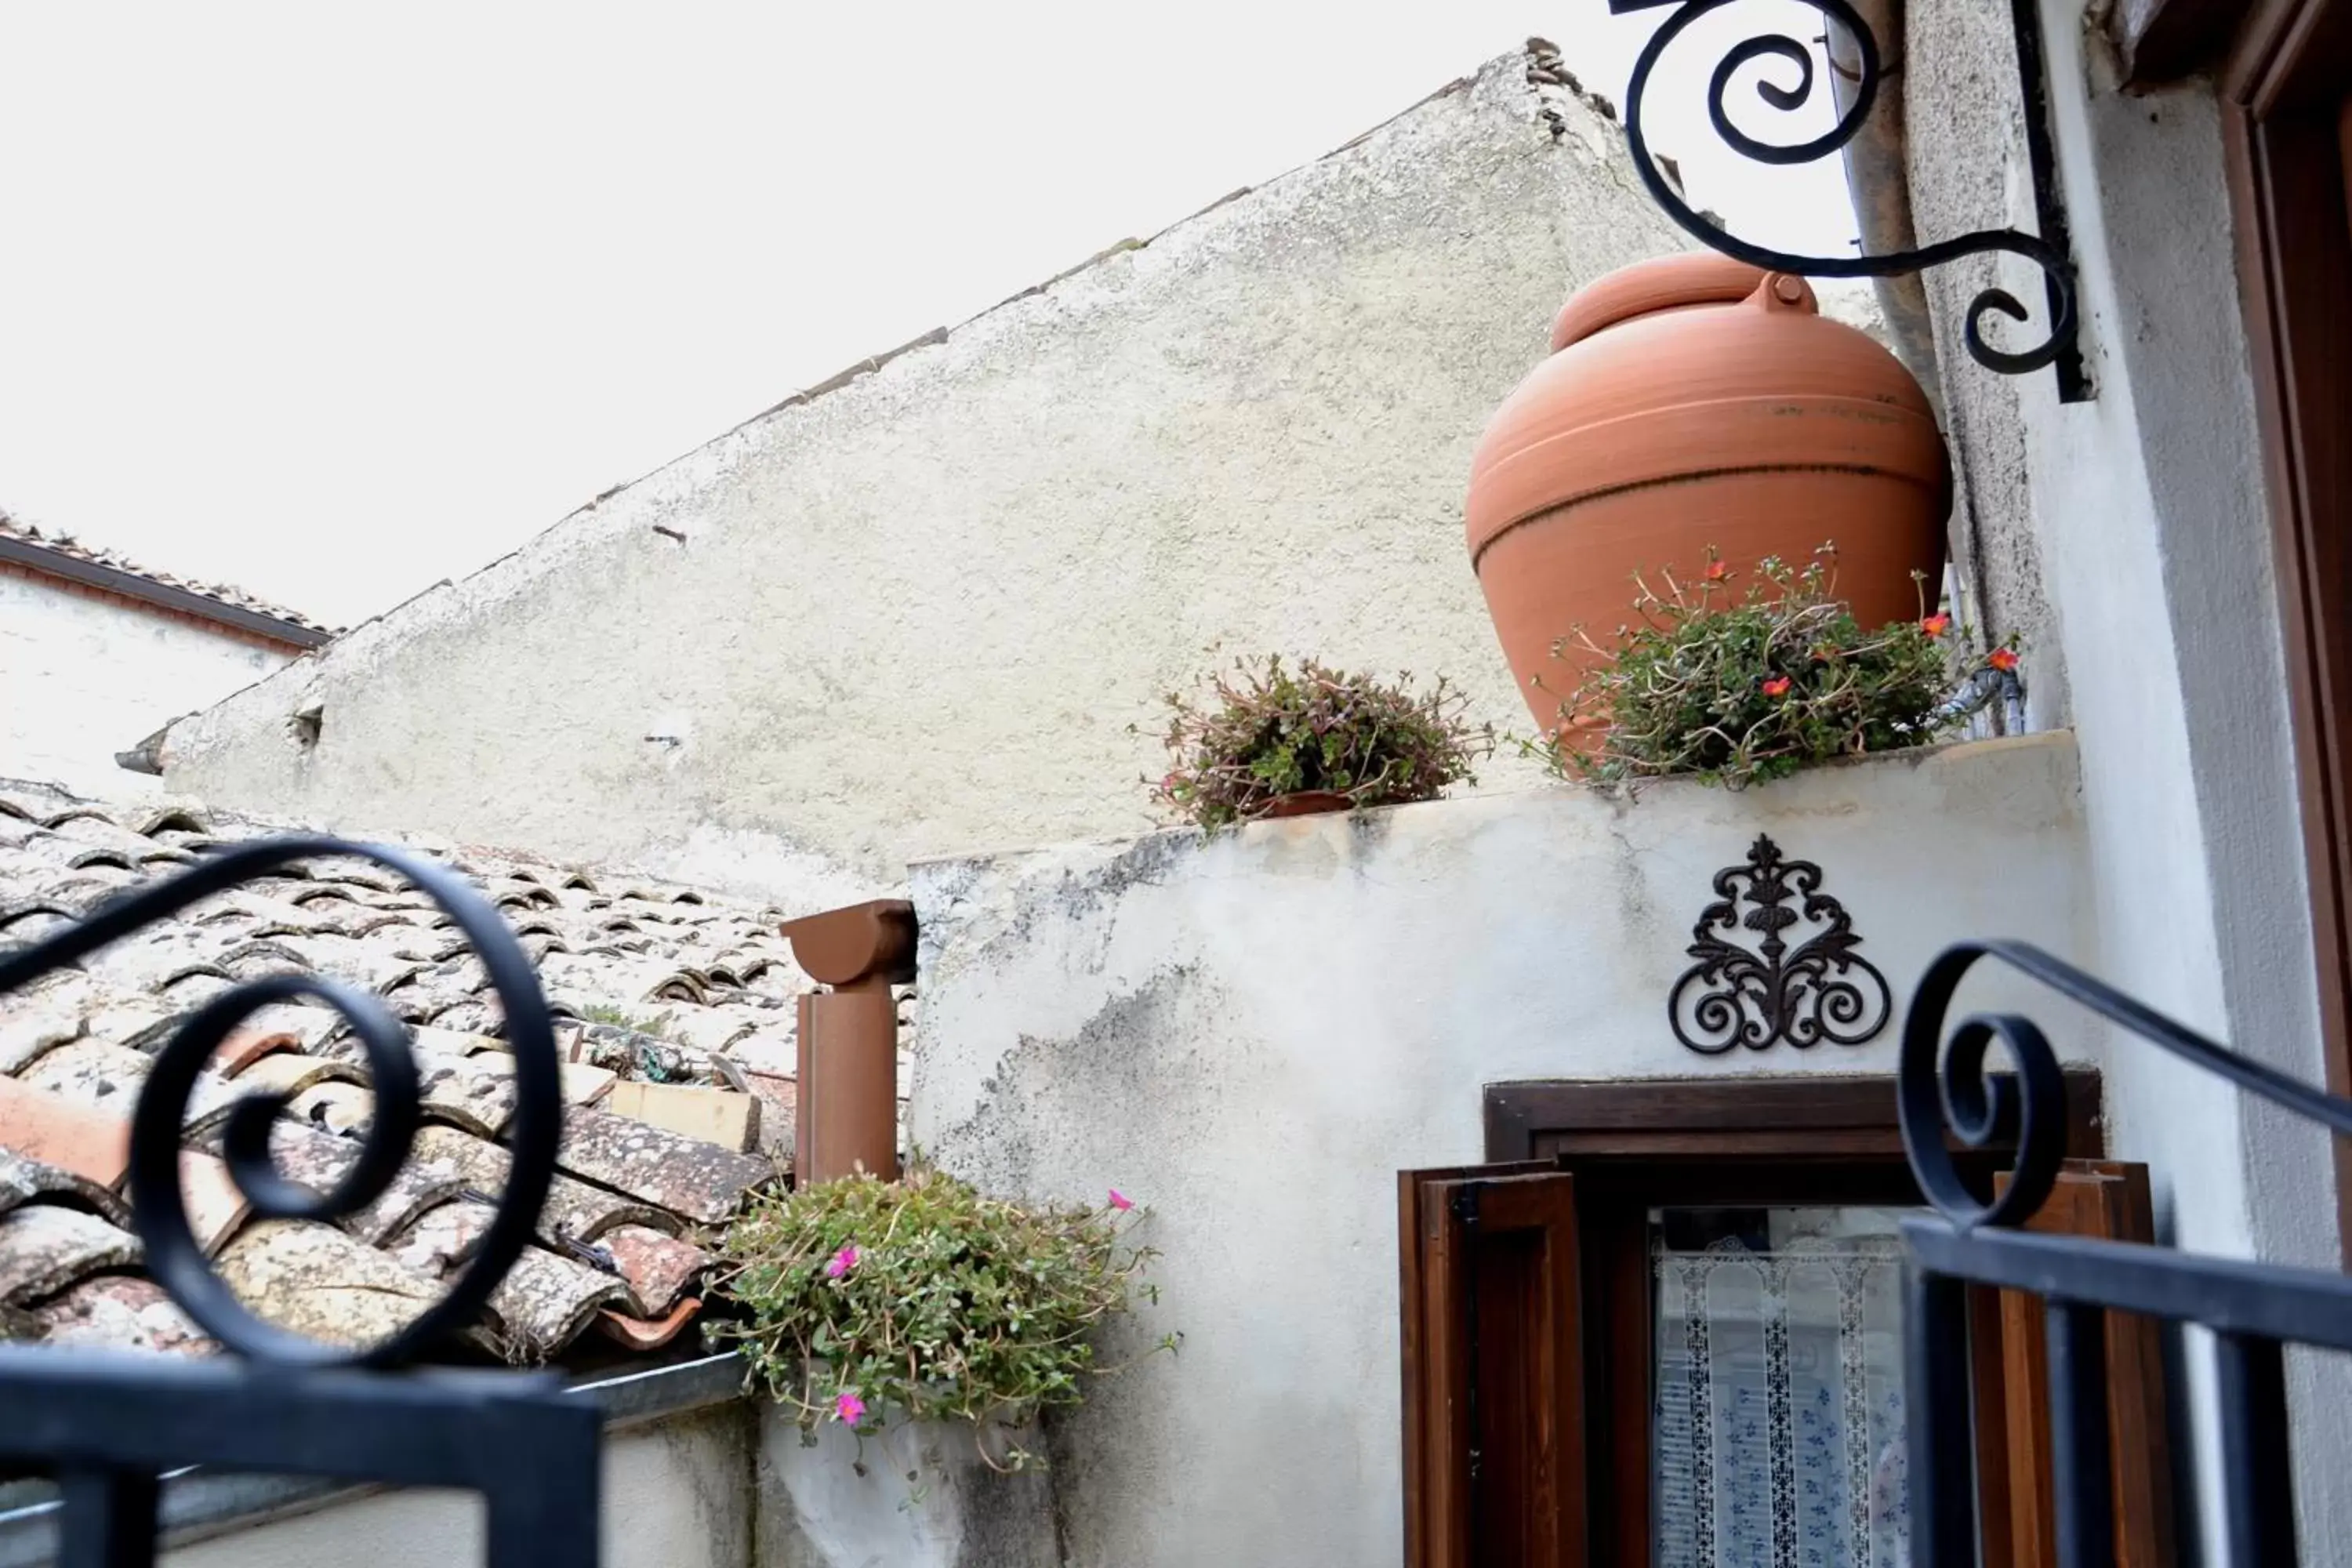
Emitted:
pixel 2286 165
pixel 2276 64
pixel 1705 1141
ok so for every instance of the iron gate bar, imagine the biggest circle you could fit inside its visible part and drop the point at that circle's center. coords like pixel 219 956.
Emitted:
pixel 2252 1309
pixel 2050 250
pixel 109 1425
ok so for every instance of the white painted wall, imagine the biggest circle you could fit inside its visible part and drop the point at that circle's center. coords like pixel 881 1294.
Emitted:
pixel 922 611
pixel 85 675
pixel 678 1493
pixel 1254 1033
pixel 2148 511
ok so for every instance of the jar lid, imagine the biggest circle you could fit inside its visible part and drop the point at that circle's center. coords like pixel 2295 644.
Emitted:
pixel 1661 283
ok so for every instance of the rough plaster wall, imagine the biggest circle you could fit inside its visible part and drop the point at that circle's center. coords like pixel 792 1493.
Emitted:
pixel 677 1494
pixel 1967 172
pixel 2146 509
pixel 83 677
pixel 1252 1034
pixel 920 612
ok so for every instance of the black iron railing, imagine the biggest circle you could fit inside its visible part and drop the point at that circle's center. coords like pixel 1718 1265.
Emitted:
pixel 107 1425
pixel 2253 1310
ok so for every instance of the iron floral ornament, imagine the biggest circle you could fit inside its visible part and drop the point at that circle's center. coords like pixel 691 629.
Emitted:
pixel 1821 989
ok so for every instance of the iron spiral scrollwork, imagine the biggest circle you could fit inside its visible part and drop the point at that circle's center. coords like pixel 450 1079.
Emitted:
pixel 1946 1086
pixel 1820 990
pixel 159 1210
pixel 2044 251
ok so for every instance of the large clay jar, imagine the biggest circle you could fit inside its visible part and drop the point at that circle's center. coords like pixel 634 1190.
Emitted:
pixel 1695 402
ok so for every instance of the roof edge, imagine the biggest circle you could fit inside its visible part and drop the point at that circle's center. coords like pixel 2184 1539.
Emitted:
pixel 72 568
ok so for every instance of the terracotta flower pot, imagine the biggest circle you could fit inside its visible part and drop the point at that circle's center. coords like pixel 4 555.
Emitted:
pixel 1305 803
pixel 1689 402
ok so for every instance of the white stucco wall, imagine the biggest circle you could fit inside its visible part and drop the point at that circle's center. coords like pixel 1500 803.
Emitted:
pixel 1254 1033
pixel 921 610
pixel 84 675
pixel 2147 509
pixel 678 1493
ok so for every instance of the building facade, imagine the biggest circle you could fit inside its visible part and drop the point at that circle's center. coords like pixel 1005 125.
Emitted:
pixel 97 654
pixel 936 601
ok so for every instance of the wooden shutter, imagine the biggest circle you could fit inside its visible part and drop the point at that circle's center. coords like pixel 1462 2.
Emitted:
pixel 2109 1201
pixel 1494 1419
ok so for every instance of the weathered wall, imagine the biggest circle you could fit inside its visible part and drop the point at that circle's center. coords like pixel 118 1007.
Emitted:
pixel 2146 511
pixel 84 675
pixel 921 610
pixel 678 1493
pixel 1252 1034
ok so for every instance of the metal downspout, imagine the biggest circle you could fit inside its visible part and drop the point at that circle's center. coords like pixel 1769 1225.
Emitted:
pixel 1878 177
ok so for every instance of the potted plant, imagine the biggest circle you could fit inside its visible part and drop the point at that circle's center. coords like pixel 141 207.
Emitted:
pixel 922 1324
pixel 1267 740
pixel 1735 687
pixel 1694 400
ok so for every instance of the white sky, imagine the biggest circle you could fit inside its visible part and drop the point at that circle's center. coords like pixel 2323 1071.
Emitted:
pixel 334 304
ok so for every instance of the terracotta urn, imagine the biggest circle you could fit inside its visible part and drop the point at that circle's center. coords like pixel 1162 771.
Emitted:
pixel 1689 402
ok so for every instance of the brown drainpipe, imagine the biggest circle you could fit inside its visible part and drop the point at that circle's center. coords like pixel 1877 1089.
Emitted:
pixel 847 1116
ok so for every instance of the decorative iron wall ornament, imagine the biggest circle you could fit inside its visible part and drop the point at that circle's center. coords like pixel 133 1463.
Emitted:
pixel 1818 990
pixel 108 1426
pixel 1945 1094
pixel 2050 250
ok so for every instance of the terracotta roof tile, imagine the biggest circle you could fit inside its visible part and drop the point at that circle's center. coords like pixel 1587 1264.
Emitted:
pixel 700 981
pixel 319 1282
pixel 117 1312
pixel 24 1180
pixel 44 1247
pixel 669 1169
pixel 221 593
pixel 643 1334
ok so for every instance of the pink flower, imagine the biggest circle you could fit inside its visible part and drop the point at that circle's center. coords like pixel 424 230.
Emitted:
pixel 1120 1201
pixel 1936 626
pixel 1776 687
pixel 848 1408
pixel 842 1262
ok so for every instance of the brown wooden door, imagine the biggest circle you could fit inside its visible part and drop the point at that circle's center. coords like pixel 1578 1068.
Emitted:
pixel 1493 1400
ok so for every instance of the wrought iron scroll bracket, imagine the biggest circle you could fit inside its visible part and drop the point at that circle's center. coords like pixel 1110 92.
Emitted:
pixel 2050 250
pixel 108 1426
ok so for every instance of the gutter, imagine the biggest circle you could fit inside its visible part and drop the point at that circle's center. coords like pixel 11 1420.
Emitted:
pixel 146 590
pixel 199 1502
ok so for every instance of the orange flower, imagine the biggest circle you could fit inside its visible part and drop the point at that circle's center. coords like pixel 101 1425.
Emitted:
pixel 2002 658
pixel 1936 626
pixel 1776 687
pixel 1718 571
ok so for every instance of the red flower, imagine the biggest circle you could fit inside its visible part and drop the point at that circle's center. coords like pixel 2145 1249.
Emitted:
pixel 1776 687
pixel 1936 626
pixel 2002 658
pixel 1718 571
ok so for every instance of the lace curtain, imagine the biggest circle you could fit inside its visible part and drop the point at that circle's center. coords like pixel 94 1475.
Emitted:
pixel 1778 1428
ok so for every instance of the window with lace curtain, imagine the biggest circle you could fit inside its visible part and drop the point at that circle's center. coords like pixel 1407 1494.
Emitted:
pixel 1664 1329
pixel 1777 1417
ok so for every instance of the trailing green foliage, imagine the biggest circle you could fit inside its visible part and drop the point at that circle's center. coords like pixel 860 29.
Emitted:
pixel 925 1299
pixel 1264 732
pixel 1737 691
